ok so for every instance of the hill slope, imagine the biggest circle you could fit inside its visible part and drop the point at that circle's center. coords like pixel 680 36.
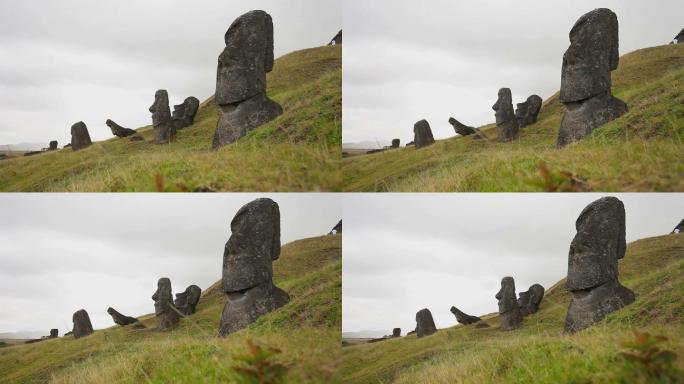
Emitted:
pixel 539 352
pixel 299 151
pixel 307 330
pixel 640 151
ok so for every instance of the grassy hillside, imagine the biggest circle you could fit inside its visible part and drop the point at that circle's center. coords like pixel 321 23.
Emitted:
pixel 640 151
pixel 299 151
pixel 307 330
pixel 539 352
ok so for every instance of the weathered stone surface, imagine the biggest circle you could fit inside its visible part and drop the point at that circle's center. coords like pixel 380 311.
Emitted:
pixel 526 112
pixel 585 80
pixel 593 264
pixel 53 145
pixel 80 138
pixel 509 311
pixel 164 130
pixel 680 37
pixel 425 325
pixel 679 228
pixel 241 78
pixel 184 114
pixel 396 332
pixel 82 325
pixel 118 130
pixel 121 319
pixel 422 134
pixel 167 316
pixel 186 301
pixel 337 229
pixel 337 40
pixel 396 143
pixel 247 266
pixel 506 123
pixel 464 318
pixel 530 300
pixel 54 333
pixel 460 128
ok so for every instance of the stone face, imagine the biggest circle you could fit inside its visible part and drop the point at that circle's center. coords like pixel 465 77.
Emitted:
pixel 247 266
pixel 396 143
pixel 506 123
pixel 422 134
pixel 593 264
pixel 337 40
pixel 164 130
pixel 80 138
pixel 530 300
pixel 82 325
pixel 461 129
pixel 396 332
pixel 509 311
pixel 186 301
pixel 121 319
pixel 53 145
pixel 241 78
pixel 425 325
pixel 585 79
pixel 163 305
pixel 184 114
pixel 54 333
pixel 526 112
pixel 118 130
pixel 464 318
pixel 337 229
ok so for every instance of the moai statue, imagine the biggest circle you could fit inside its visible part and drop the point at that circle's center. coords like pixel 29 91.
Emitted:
pixel 166 313
pixel 593 264
pixel 396 143
pixel 184 114
pixel 425 325
pixel 80 138
pixel 53 145
pixel 460 128
pixel 82 325
pixel 526 112
pixel 530 300
pixel 186 301
pixel 422 134
pixel 54 333
pixel 585 79
pixel 396 332
pixel 509 311
pixel 506 123
pixel 121 319
pixel 241 78
pixel 118 130
pixel 164 130
pixel 248 266
pixel 464 318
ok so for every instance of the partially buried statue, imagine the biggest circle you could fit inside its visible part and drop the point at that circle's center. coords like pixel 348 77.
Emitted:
pixel 163 305
pixel 530 300
pixel 509 311
pixel 164 130
pixel 425 325
pixel 593 264
pixel 186 301
pixel 506 123
pixel 120 319
pixel 82 325
pixel 241 78
pixel 248 266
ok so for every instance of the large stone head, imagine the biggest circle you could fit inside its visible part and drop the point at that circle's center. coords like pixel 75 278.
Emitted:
pixel 163 296
pixel 597 246
pixel 160 109
pixel 248 56
pixel 252 247
pixel 504 106
pixel 534 104
pixel 506 295
pixel 592 54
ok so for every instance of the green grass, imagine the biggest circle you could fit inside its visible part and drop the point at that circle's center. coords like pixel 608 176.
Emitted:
pixel 640 151
pixel 307 330
pixel 539 352
pixel 299 151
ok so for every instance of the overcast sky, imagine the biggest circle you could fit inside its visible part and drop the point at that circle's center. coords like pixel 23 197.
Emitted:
pixel 405 252
pixel 64 252
pixel 407 60
pixel 71 60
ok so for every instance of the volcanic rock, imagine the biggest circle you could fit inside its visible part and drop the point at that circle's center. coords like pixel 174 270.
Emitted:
pixel 422 134
pixel 464 318
pixel 118 130
pixel 121 319
pixel 53 145
pixel 82 325
pixel 425 325
pixel 526 112
pixel 506 123
pixel 184 114
pixel 80 138
pixel 530 300
pixel 509 311
pixel 166 313
pixel 461 129
pixel 396 143
pixel 164 129
pixel 186 301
